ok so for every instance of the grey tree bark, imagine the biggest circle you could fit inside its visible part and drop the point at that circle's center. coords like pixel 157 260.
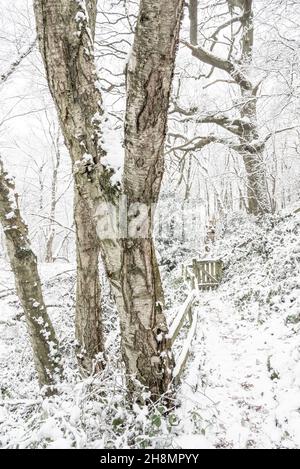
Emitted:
pixel 88 322
pixel 67 50
pixel 24 266
pixel 193 12
pixel 149 80
pixel 65 31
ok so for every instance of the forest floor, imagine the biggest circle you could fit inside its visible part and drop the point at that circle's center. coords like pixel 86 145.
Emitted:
pixel 241 386
pixel 243 379
pixel 229 391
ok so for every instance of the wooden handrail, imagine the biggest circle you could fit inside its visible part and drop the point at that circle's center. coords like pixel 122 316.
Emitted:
pixel 182 359
pixel 181 316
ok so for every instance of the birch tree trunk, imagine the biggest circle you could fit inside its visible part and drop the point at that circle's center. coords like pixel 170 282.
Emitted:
pixel 149 79
pixel 66 30
pixel 88 326
pixel 67 49
pixel 24 266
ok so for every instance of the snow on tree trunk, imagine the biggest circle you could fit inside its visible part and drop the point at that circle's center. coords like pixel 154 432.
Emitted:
pixel 66 43
pixel 24 266
pixel 65 31
pixel 251 147
pixel 257 184
pixel 193 13
pixel 149 78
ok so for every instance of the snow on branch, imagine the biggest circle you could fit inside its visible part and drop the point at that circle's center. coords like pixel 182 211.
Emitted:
pixel 198 143
pixel 4 77
pixel 222 64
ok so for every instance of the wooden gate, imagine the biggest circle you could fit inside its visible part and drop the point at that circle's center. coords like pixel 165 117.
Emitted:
pixel 203 274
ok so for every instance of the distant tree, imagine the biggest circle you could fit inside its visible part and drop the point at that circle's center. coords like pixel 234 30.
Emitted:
pixel 243 126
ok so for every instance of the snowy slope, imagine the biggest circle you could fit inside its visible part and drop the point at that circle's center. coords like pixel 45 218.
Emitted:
pixel 243 384
pixel 241 387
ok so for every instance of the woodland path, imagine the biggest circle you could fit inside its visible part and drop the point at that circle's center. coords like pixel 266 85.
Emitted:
pixel 227 378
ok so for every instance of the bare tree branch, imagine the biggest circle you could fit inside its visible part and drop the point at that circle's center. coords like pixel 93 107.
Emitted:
pixel 4 77
pixel 222 64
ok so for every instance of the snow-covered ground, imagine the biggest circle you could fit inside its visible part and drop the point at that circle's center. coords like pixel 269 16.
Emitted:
pixel 229 387
pixel 241 387
pixel 243 383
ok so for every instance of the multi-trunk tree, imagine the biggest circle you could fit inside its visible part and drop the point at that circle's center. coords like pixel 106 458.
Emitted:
pixel 66 36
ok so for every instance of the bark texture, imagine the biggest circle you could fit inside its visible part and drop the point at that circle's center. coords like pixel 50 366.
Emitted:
pixel 65 31
pixel 88 326
pixel 67 50
pixel 24 266
pixel 149 79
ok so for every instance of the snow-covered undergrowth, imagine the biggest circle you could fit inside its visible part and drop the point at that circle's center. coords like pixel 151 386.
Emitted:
pixel 88 413
pixel 241 387
pixel 262 263
pixel 245 375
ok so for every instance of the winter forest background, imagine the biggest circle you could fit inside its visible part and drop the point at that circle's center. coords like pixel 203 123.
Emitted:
pixel 230 191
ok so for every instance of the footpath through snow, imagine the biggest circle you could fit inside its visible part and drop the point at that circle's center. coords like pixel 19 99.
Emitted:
pixel 228 391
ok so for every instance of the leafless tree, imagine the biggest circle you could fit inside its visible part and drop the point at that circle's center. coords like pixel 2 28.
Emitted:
pixel 131 263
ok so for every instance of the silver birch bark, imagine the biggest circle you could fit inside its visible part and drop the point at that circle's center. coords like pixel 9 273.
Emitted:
pixel 193 13
pixel 67 50
pixel 65 31
pixel 149 80
pixel 88 325
pixel 24 266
